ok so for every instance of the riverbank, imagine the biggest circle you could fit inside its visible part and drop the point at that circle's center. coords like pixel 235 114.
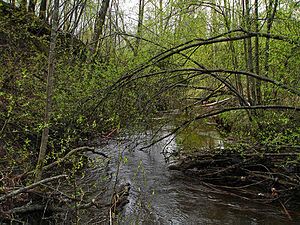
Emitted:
pixel 254 174
pixel 206 183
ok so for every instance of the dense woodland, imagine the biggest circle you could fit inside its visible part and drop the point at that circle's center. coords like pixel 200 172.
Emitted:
pixel 72 72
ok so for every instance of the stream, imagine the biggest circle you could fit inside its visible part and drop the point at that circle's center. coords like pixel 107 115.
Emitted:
pixel 161 196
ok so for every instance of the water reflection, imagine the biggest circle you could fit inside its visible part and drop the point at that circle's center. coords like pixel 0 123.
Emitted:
pixel 160 196
pixel 199 136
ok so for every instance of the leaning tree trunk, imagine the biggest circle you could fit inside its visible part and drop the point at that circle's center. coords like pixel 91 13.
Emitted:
pixel 99 24
pixel 49 89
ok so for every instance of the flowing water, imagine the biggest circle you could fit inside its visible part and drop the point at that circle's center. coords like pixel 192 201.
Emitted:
pixel 161 196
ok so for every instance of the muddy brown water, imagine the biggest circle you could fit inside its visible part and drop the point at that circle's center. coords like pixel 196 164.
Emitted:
pixel 161 196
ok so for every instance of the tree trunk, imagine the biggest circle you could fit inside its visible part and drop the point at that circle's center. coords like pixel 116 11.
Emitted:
pixel 272 8
pixel 161 21
pixel 43 8
pixel 23 5
pixel 78 16
pixel 251 81
pixel 228 22
pixel 13 3
pixel 140 25
pixel 49 11
pixel 99 24
pixel 31 6
pixel 257 69
pixel 49 89
pixel 67 17
pixel 270 18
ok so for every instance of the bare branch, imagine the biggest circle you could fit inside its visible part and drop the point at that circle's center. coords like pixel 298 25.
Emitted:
pixel 24 189
pixel 75 150
pixel 214 113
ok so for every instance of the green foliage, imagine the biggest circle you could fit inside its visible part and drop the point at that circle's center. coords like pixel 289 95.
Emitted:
pixel 88 100
pixel 279 129
pixel 269 131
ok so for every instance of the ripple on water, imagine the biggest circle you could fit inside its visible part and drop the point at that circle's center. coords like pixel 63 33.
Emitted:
pixel 160 196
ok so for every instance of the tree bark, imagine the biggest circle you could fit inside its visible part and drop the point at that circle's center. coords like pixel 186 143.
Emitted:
pixel 161 21
pixel 270 19
pixel 13 3
pixel 31 6
pixel 228 21
pixel 251 82
pixel 67 17
pixel 99 24
pixel 43 8
pixel 256 52
pixel 49 89
pixel 140 25
pixel 23 5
